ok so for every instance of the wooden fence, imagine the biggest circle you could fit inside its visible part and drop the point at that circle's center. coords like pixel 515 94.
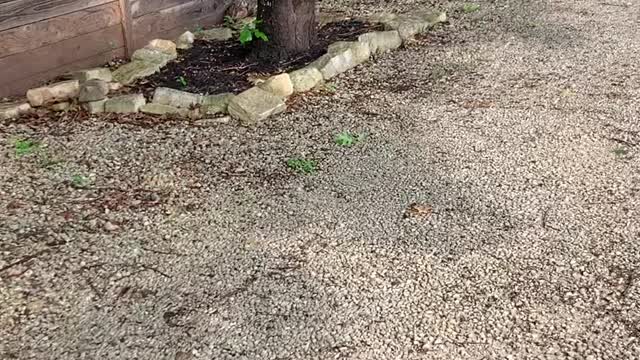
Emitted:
pixel 42 39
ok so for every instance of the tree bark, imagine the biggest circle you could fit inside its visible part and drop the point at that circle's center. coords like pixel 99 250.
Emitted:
pixel 290 26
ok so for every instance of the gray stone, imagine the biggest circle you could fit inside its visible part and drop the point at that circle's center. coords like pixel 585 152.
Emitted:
pixel 13 109
pixel 279 85
pixel 57 92
pixel 93 90
pixel 160 109
pixel 341 57
pixel 165 46
pixel 63 106
pixel 408 25
pixel 103 74
pixel 218 34
pixel 305 79
pixel 125 103
pixel 94 107
pixel 359 50
pixel 175 98
pixel 152 56
pixel 254 105
pixel 381 41
pixel 129 73
pixel 185 41
pixel 216 104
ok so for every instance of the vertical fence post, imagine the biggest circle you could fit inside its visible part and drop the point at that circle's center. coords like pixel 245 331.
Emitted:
pixel 127 26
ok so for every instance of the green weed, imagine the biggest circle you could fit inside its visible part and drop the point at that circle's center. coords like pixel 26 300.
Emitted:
pixel 25 146
pixel 251 32
pixel 348 139
pixel 302 165
pixel 620 151
pixel 80 181
pixel 182 81
pixel 469 8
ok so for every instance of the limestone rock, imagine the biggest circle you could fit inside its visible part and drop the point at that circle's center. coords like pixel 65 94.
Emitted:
pixel 93 90
pixel 216 104
pixel 63 106
pixel 115 86
pixel 159 109
pixel 381 41
pixel 165 46
pixel 341 57
pixel 152 56
pixel 103 74
pixel 57 92
pixel 254 105
pixel 94 107
pixel 279 85
pixel 359 50
pixel 305 79
pixel 185 41
pixel 217 34
pixel 125 103
pixel 175 98
pixel 408 25
pixel 13 109
pixel 128 73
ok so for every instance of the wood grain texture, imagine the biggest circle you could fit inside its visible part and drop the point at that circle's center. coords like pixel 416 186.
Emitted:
pixel 33 36
pixel 56 55
pixel 143 7
pixel 127 26
pixel 20 86
pixel 183 17
pixel 14 13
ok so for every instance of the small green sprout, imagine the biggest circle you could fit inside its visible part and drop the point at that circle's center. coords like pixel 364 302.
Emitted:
pixel 302 165
pixel 469 8
pixel 25 146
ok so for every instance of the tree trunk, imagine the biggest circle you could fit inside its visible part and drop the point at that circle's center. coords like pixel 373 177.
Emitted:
pixel 290 26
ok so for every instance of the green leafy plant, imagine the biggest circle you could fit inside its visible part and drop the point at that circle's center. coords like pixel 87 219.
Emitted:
pixel 469 8
pixel 329 87
pixel 302 165
pixel 250 32
pixel 230 22
pixel 80 181
pixel 620 151
pixel 199 29
pixel 182 81
pixel 347 139
pixel 25 146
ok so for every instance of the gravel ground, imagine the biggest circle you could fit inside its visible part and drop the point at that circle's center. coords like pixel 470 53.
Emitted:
pixel 519 125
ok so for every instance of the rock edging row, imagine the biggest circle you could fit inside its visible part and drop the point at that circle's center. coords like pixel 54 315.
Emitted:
pixel 90 88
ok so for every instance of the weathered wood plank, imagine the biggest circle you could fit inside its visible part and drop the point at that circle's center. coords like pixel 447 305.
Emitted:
pixel 127 25
pixel 184 17
pixel 61 53
pixel 14 13
pixel 33 36
pixel 20 86
pixel 143 7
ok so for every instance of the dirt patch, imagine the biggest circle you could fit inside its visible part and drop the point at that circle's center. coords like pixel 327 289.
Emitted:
pixel 228 66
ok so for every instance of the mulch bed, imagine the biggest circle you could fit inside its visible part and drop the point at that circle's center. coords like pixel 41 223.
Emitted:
pixel 227 66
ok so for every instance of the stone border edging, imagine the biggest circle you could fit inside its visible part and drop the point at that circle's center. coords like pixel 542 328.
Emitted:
pixel 91 87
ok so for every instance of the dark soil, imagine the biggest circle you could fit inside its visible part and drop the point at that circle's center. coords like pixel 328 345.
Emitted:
pixel 227 66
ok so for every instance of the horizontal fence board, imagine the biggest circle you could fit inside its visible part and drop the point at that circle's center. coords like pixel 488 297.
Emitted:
pixel 46 32
pixel 187 15
pixel 61 53
pixel 143 7
pixel 175 32
pixel 14 13
pixel 20 86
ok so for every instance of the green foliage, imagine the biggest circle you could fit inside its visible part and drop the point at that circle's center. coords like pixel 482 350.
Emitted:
pixel 347 139
pixel 251 32
pixel 80 181
pixel 621 152
pixel 302 165
pixel 25 146
pixel 469 8
pixel 329 87
pixel 182 81
pixel 198 29
pixel 230 22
